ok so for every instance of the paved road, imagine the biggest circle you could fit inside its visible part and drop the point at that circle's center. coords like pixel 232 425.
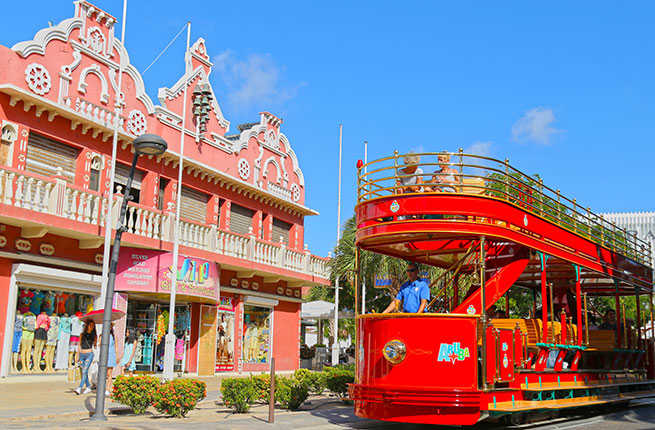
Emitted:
pixel 333 416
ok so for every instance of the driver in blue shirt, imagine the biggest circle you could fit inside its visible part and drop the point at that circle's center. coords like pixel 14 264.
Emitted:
pixel 414 294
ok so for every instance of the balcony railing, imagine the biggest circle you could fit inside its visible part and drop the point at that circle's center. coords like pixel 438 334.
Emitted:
pixel 54 196
pixel 468 174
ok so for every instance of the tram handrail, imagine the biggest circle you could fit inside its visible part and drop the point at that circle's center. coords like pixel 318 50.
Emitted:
pixel 380 178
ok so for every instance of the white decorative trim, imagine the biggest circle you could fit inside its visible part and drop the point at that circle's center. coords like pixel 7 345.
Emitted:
pixel 268 161
pixel 38 78
pixel 295 192
pixel 97 45
pixel 137 123
pixel 67 69
pixel 95 69
pixel 37 45
pixel 139 85
pixel 244 169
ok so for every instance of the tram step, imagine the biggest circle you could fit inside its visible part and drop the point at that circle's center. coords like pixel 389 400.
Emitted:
pixel 526 405
pixel 550 386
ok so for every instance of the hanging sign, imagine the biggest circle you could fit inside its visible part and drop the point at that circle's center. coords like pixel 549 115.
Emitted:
pixel 382 281
pixel 152 271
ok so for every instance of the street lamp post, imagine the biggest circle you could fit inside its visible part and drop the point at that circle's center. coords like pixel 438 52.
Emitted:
pixel 146 144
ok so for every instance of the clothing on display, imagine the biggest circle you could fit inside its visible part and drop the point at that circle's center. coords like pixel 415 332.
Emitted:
pixel 18 333
pixel 35 304
pixel 53 331
pixel 256 338
pixel 179 349
pixel 45 337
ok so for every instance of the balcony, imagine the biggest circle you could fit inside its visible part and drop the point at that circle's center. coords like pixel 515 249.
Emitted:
pixel 55 197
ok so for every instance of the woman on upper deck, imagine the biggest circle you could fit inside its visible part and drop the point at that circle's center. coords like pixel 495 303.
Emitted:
pixel 445 178
pixel 409 177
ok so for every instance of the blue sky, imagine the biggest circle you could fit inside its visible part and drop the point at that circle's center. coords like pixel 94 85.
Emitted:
pixel 563 89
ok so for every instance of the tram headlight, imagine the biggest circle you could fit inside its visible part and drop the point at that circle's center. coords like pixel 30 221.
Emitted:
pixel 394 351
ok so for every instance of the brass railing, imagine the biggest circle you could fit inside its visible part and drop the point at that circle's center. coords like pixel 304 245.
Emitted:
pixel 478 175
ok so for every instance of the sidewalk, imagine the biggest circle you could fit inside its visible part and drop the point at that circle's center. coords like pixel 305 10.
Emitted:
pixel 49 402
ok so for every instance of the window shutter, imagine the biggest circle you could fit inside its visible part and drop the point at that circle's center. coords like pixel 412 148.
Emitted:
pixel 281 229
pixel 193 205
pixel 123 172
pixel 240 219
pixel 45 155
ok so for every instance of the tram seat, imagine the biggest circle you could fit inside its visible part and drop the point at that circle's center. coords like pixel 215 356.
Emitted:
pixel 471 186
pixel 602 340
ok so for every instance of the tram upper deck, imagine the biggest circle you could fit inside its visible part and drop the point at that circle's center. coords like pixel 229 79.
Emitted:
pixel 433 207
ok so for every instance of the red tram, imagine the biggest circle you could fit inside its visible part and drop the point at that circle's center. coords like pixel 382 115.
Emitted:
pixel 485 221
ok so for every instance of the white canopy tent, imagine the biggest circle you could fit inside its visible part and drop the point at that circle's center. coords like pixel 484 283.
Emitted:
pixel 320 310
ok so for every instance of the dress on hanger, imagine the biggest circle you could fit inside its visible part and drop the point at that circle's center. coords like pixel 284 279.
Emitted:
pixel 61 357
pixel 48 304
pixel 35 304
pixel 24 301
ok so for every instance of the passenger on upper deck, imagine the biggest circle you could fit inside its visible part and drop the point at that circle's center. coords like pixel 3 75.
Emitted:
pixel 414 294
pixel 609 320
pixel 444 179
pixel 408 178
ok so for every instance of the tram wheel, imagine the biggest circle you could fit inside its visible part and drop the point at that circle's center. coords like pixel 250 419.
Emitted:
pixel 517 419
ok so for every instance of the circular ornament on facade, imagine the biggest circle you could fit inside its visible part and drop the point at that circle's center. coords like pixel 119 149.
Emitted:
pixel 37 78
pixel 98 258
pixel 295 192
pixel 244 169
pixel 3 241
pixel 137 123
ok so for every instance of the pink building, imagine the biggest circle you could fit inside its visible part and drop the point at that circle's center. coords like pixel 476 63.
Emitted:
pixel 242 208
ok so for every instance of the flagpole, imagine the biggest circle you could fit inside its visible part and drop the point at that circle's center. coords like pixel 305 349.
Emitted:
pixel 112 170
pixel 335 343
pixel 363 279
pixel 169 351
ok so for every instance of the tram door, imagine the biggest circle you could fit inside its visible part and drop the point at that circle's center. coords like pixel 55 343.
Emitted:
pixel 500 355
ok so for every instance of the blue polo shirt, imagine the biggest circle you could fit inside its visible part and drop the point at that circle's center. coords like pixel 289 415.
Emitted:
pixel 411 294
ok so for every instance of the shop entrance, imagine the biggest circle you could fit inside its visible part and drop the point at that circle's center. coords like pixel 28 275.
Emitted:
pixel 149 322
pixel 225 342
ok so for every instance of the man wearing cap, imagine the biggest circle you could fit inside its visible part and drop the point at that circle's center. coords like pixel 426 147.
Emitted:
pixel 414 294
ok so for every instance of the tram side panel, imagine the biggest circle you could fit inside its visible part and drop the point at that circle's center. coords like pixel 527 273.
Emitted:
pixel 418 369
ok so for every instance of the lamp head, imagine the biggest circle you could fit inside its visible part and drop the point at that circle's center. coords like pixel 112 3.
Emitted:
pixel 150 144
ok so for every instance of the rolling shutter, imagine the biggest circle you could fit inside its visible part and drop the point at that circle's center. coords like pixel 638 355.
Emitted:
pixel 123 172
pixel 193 205
pixel 240 219
pixel 281 229
pixel 45 155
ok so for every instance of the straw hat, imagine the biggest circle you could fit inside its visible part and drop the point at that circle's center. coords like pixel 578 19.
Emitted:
pixel 410 160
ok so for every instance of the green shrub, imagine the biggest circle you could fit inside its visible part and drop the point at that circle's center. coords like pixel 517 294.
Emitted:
pixel 178 397
pixel 238 393
pixel 137 392
pixel 337 380
pixel 262 386
pixel 199 388
pixel 290 393
pixel 315 380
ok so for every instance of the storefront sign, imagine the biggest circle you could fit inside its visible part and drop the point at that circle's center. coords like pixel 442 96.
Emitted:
pixel 152 271
pixel 226 304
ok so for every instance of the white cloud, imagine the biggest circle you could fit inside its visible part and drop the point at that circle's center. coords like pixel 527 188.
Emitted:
pixel 535 126
pixel 255 80
pixel 479 148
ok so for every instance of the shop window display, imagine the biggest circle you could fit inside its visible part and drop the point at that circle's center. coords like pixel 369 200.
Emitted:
pixel 44 329
pixel 149 321
pixel 225 342
pixel 256 334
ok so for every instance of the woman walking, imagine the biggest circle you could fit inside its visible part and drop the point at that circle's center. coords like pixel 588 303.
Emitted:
pixel 88 341
pixel 128 363
pixel 111 360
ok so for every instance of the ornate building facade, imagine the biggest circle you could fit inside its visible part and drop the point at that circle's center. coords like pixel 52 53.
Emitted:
pixel 242 207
